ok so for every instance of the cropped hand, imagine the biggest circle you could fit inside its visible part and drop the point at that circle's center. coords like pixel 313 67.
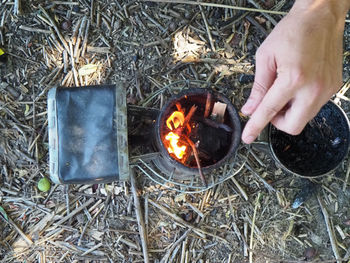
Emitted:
pixel 298 67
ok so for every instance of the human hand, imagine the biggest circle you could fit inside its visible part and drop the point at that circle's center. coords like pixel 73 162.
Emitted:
pixel 298 67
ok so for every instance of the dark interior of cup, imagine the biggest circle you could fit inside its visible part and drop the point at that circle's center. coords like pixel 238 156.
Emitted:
pixel 320 147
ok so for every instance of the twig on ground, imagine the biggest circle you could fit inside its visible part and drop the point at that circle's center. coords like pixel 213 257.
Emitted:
pixel 17 9
pixel 153 21
pixel 74 212
pixel 139 216
pixel 252 229
pixel 173 246
pixel 267 185
pixel 258 6
pixel 19 231
pixel 53 24
pixel 241 190
pixel 245 232
pixel 330 229
pixel 179 220
pixel 346 176
pixel 257 25
pixel 33 29
pixel 92 249
pixel 207 28
pixel 85 39
pixel 236 229
pixel 220 6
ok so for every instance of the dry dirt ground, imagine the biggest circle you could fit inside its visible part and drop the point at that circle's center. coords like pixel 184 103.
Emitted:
pixel 148 46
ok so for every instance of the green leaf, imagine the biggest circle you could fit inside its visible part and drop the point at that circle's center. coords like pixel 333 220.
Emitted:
pixel 3 213
pixel 27 110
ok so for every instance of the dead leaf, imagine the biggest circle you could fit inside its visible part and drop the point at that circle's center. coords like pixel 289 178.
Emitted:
pixel 87 69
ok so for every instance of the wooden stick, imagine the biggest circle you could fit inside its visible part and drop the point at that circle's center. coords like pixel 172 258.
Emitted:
pixel 346 177
pixel 75 32
pixel 20 232
pixel 153 21
pixel 53 24
pixel 272 20
pixel 74 212
pixel 195 153
pixel 329 230
pixel 179 220
pixel 174 245
pixel 75 73
pixel 241 190
pixel 92 249
pixel 78 39
pixel 85 38
pixel 245 245
pixel 17 9
pixel 92 9
pixel 220 6
pixel 139 217
pixel 252 229
pixel 207 105
pixel 267 185
pixel 33 29
pixel 208 29
pixel 189 115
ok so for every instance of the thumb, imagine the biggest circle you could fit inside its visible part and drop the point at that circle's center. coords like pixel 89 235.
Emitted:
pixel 265 75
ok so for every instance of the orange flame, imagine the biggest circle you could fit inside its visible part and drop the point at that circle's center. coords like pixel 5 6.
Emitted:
pixel 175 120
pixel 174 148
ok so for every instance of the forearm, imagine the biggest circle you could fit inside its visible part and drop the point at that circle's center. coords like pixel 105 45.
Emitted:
pixel 337 7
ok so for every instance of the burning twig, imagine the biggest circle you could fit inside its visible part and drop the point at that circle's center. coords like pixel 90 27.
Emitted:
pixel 178 106
pixel 207 105
pixel 195 153
pixel 189 115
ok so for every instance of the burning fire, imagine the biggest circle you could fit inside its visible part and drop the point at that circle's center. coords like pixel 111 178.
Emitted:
pixel 174 148
pixel 175 120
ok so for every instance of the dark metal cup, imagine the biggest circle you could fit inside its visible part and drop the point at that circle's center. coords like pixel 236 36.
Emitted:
pixel 318 150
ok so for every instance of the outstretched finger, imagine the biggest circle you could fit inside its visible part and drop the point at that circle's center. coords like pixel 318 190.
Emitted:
pixel 265 75
pixel 273 102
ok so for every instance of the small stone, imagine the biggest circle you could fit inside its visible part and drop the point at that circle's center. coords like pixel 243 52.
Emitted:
pixel 76 9
pixel 250 46
pixel 189 216
pixel 310 253
pixel 66 25
pixel 347 222
pixel 188 15
pixel 172 26
pixel 44 184
pixel 245 79
pixel 81 218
